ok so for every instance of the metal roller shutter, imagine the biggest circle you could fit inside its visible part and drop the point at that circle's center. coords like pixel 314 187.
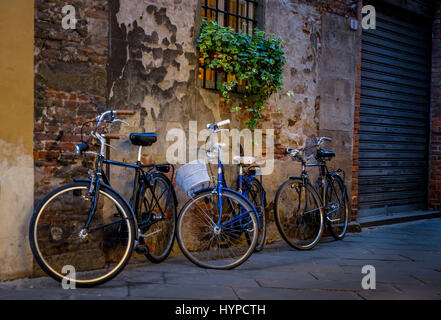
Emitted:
pixel 394 114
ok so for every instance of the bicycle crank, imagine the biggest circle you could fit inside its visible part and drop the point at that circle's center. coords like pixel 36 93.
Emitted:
pixel 142 249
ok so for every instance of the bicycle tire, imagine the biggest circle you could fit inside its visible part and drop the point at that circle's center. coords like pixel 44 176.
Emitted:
pixel 336 232
pixel 256 195
pixel 159 250
pixel 190 235
pixel 307 216
pixel 52 234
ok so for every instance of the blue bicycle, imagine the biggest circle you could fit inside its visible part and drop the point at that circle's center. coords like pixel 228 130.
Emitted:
pixel 249 184
pixel 218 228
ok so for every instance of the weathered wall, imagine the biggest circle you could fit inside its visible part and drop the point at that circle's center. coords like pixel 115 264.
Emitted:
pixel 153 70
pixel 299 25
pixel 337 89
pixel 16 124
pixel 148 63
pixel 70 85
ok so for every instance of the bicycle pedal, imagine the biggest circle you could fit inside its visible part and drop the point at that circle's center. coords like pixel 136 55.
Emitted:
pixel 142 249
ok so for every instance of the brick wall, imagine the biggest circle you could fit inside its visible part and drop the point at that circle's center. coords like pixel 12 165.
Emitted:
pixel 356 122
pixel 70 83
pixel 339 7
pixel 435 130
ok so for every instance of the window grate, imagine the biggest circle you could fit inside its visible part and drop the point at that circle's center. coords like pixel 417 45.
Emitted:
pixel 238 14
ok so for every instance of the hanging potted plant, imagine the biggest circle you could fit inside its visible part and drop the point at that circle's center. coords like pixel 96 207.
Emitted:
pixel 256 61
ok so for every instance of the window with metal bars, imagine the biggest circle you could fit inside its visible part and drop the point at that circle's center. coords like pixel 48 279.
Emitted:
pixel 238 14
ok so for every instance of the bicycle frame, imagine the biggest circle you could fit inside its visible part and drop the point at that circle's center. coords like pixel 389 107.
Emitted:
pixel 325 175
pixel 222 185
pixel 140 175
pixel 138 186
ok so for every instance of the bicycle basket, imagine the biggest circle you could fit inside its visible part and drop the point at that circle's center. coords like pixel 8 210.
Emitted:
pixel 192 177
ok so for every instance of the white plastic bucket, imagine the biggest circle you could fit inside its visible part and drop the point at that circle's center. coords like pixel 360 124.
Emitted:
pixel 192 177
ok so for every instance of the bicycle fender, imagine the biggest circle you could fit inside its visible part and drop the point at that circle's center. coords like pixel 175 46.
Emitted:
pixel 338 176
pixel 175 198
pixel 340 173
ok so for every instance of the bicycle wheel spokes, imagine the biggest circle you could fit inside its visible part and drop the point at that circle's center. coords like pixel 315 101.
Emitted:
pixel 337 208
pixel 159 207
pixel 299 215
pixel 94 255
pixel 212 245
pixel 256 196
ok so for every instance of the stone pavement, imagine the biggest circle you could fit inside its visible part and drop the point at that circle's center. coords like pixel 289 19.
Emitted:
pixel 406 257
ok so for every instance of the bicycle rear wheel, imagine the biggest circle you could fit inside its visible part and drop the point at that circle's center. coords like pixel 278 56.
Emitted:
pixel 158 207
pixel 299 214
pixel 337 202
pixel 91 258
pixel 210 244
pixel 256 195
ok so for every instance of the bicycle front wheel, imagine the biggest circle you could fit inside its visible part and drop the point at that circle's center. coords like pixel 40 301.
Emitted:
pixel 299 214
pixel 64 251
pixel 213 240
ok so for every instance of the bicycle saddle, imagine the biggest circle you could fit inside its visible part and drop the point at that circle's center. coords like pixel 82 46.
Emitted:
pixel 143 139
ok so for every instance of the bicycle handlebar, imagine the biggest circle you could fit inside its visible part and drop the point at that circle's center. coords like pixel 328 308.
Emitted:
pixel 215 126
pixel 295 153
pixel 81 147
pixel 223 123
pixel 125 112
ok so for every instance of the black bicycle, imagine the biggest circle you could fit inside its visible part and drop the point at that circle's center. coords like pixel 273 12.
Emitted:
pixel 89 226
pixel 300 208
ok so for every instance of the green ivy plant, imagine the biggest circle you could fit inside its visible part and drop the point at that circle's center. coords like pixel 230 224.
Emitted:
pixel 254 60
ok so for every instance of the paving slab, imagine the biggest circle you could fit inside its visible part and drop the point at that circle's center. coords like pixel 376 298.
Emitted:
pixel 182 292
pixel 288 294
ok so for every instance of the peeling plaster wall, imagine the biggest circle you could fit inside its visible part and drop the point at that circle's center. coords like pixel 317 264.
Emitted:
pixel 153 70
pixel 16 205
pixel 299 26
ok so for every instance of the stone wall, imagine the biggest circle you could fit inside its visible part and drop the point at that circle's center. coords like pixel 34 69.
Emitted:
pixel 337 90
